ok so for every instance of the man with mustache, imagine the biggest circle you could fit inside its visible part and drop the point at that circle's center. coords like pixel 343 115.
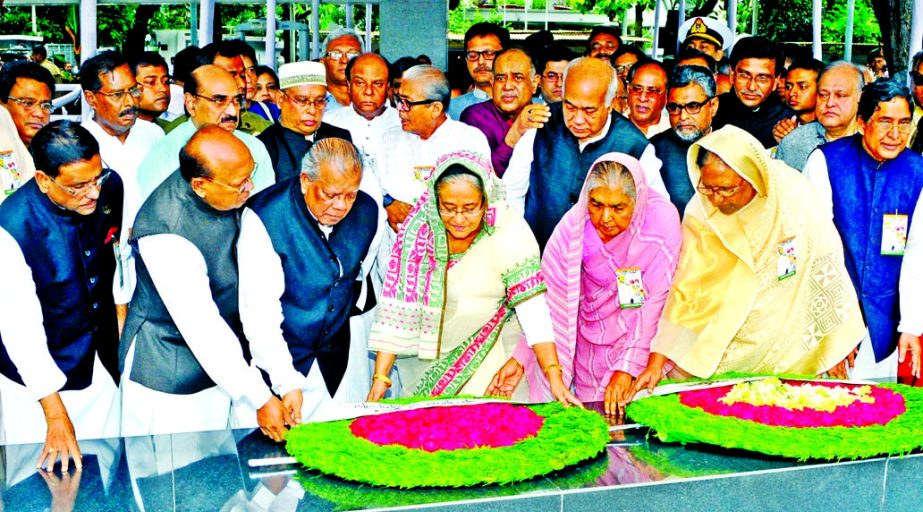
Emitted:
pixel 212 97
pixel 647 94
pixel 483 41
pixel 871 184
pixel 26 90
pixel 756 63
pixel 184 358
pixel 510 112
pixel 153 77
pixel 303 94
pixel 112 92
pixel 691 105
pixel 838 89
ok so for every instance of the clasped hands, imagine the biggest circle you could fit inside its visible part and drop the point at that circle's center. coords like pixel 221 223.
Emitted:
pixel 276 416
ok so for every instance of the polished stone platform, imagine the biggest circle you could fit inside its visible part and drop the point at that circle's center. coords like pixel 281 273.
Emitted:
pixel 214 471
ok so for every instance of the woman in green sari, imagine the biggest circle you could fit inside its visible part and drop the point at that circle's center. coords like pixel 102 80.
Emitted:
pixel 463 285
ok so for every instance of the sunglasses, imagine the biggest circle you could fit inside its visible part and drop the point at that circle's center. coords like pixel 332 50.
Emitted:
pixel 917 78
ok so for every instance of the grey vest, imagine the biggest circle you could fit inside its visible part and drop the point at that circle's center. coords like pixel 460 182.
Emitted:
pixel 163 360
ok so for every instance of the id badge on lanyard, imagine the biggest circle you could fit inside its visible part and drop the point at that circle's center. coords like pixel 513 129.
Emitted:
pixel 893 234
pixel 630 287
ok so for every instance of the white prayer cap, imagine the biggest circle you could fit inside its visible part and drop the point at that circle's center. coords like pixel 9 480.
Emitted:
pixel 302 73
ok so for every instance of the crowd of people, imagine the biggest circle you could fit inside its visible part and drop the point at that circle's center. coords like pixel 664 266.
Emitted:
pixel 223 245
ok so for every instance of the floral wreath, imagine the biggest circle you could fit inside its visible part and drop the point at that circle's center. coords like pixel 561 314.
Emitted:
pixel 451 446
pixel 790 417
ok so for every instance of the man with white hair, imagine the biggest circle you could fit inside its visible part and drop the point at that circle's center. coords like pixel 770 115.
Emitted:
pixel 341 46
pixel 302 247
pixel 303 88
pixel 550 164
pixel 426 133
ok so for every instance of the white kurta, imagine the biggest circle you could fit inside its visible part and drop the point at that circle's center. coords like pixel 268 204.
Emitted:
pixel 93 411
pixel 16 166
pixel 516 177
pixel 180 277
pixel 367 135
pixel 406 160
pixel 125 158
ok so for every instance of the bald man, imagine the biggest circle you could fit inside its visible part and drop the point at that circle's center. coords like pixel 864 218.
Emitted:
pixel 183 353
pixel 510 112
pixel 211 97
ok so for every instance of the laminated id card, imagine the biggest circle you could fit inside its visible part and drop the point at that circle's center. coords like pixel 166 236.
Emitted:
pixel 786 260
pixel 422 173
pixel 630 288
pixel 893 235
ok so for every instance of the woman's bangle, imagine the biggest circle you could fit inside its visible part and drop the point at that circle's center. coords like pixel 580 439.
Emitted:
pixel 383 378
pixel 552 367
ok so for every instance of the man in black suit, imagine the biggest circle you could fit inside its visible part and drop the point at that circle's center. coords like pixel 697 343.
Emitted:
pixel 304 88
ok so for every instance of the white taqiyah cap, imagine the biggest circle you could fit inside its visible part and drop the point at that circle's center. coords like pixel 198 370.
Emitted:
pixel 302 73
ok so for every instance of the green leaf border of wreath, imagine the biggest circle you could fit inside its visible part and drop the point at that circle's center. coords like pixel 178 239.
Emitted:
pixel 568 436
pixel 671 421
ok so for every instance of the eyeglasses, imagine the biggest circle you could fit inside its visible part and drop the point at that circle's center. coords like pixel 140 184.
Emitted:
pixel 745 77
pixel 84 188
pixel 693 107
pixel 640 89
pixel 551 76
pixel 153 81
pixel 886 125
pixel 239 190
pixel 118 96
pixel 917 78
pixel 721 191
pixel 405 104
pixel 319 103
pixel 608 45
pixel 473 56
pixel 468 213
pixel 29 104
pixel 337 54
pixel 222 101
pixel 623 68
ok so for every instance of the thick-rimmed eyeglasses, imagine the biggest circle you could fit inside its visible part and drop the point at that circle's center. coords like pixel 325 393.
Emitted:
pixel 222 101
pixel 29 104
pixel 404 104
pixel 134 92
pixel 84 188
pixel 706 190
pixel 693 107
pixel 473 56
pixel 337 54
pixel 319 103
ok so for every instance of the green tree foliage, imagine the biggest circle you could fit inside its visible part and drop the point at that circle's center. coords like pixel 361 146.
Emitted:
pixel 790 20
pixel 865 26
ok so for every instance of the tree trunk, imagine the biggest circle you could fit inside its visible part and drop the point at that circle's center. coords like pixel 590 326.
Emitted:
pixel 134 40
pixel 894 19
pixel 639 20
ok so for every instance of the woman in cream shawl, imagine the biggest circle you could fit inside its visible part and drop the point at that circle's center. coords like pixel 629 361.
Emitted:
pixel 761 286
pixel 463 283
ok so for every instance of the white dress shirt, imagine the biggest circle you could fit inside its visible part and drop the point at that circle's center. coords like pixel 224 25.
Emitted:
pixel 405 155
pixel 518 172
pixel 125 158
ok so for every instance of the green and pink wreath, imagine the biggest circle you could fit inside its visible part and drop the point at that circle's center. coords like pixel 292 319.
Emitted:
pixel 451 446
pixel 801 419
